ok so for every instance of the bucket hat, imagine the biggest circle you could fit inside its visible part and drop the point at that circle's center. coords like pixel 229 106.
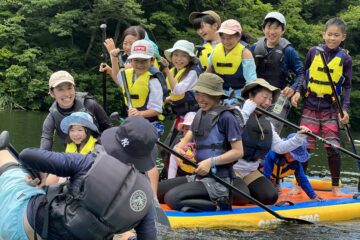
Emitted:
pixel 210 84
pixel 230 27
pixel 300 154
pixel 276 15
pixel 141 49
pixel 78 118
pixel 132 142
pixel 60 77
pixel 263 83
pixel 182 45
pixel 211 13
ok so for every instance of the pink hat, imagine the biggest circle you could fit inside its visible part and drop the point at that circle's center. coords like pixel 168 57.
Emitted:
pixel 230 27
pixel 188 119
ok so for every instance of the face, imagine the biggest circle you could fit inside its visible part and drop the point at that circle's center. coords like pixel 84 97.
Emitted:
pixel 185 129
pixel 77 134
pixel 263 98
pixel 289 158
pixel 180 59
pixel 207 31
pixel 333 36
pixel 64 95
pixel 273 33
pixel 140 65
pixel 205 101
pixel 128 41
pixel 229 41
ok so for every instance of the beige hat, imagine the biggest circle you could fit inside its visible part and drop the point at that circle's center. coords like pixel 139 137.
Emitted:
pixel 211 13
pixel 210 84
pixel 230 27
pixel 60 77
pixel 263 83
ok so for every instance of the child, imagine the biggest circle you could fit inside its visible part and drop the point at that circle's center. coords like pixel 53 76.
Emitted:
pixel 231 60
pixel 176 166
pixel 319 111
pixel 67 101
pixel 290 163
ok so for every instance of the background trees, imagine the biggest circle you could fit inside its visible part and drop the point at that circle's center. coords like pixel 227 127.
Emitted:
pixel 38 37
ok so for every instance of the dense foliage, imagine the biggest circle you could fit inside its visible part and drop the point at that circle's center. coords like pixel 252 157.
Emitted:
pixel 41 36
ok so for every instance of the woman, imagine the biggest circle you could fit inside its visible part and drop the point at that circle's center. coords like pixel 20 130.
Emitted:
pixel 216 131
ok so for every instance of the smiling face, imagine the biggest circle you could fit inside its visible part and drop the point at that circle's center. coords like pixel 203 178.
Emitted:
pixel 229 41
pixel 273 32
pixel 77 134
pixel 140 65
pixel 64 95
pixel 208 32
pixel 206 102
pixel 333 36
pixel 180 59
pixel 128 41
pixel 262 98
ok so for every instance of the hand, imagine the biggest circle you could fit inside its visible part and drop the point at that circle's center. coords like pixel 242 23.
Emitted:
pixel 110 45
pixel 168 100
pixel 105 68
pixel 294 99
pixel 127 65
pixel 288 91
pixel 345 119
pixel 133 112
pixel 115 52
pixel 164 62
pixel 38 182
pixel 318 198
pixel 303 129
pixel 203 167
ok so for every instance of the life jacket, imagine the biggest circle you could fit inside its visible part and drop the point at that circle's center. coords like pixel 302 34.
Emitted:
pixel 113 197
pixel 256 142
pixel 316 77
pixel 269 65
pixel 204 56
pixel 183 103
pixel 87 148
pixel 79 106
pixel 139 89
pixel 285 168
pixel 209 142
pixel 228 66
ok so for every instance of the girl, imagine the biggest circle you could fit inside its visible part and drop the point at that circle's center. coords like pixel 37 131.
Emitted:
pixel 231 60
pixel 258 138
pixel 216 131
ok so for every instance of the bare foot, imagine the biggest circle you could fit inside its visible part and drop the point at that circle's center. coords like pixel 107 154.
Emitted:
pixel 336 192
pixel 295 190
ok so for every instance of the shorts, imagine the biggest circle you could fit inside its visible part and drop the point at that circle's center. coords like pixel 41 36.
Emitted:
pixel 15 194
pixel 326 122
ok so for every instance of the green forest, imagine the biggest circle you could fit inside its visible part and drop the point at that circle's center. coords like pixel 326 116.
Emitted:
pixel 38 37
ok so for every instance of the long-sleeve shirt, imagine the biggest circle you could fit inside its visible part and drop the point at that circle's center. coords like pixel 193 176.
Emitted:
pixel 74 166
pixel 315 103
pixel 273 158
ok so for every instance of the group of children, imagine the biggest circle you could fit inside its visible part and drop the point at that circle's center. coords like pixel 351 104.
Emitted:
pixel 229 141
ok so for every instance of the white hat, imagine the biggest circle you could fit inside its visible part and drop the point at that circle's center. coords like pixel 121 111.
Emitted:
pixel 60 77
pixel 141 49
pixel 276 15
pixel 182 45
pixel 188 119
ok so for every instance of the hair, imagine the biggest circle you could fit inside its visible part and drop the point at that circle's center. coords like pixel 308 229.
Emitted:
pixel 272 21
pixel 204 19
pixel 136 31
pixel 244 36
pixel 336 22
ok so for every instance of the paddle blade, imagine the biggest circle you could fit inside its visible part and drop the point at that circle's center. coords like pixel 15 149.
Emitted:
pixel 4 140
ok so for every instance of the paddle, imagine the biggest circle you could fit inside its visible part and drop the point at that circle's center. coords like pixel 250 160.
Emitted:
pixel 124 82
pixel 337 101
pixel 104 56
pixel 231 187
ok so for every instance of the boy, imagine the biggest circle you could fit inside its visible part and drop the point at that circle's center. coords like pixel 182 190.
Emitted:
pixel 320 113
pixel 67 101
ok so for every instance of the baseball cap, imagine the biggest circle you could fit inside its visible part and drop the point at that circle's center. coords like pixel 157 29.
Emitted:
pixel 230 27
pixel 276 15
pixel 141 49
pixel 60 77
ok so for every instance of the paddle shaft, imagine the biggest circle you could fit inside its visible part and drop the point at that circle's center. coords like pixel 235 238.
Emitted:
pixel 231 187
pixel 124 82
pixel 104 56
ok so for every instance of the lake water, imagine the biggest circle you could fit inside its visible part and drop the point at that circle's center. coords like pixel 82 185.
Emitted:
pixel 25 131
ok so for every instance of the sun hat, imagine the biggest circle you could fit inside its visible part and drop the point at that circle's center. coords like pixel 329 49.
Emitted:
pixel 78 118
pixel 210 84
pixel 188 119
pixel 263 83
pixel 211 13
pixel 132 142
pixel 182 45
pixel 60 77
pixel 276 15
pixel 300 154
pixel 230 27
pixel 141 49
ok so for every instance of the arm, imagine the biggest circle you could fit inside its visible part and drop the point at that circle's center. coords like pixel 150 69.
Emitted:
pixel 270 160
pixel 248 65
pixel 47 134
pixel 186 83
pixel 247 109
pixel 283 146
pixel 295 65
pixel 154 105
pixel 146 229
pixel 303 181
pixel 99 113
pixel 347 73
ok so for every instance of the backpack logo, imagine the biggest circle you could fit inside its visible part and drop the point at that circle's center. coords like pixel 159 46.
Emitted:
pixel 125 142
pixel 138 201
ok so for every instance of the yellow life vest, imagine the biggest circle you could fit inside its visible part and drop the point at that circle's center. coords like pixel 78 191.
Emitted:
pixel 318 81
pixel 227 64
pixel 139 89
pixel 156 64
pixel 87 148
pixel 177 77
pixel 204 56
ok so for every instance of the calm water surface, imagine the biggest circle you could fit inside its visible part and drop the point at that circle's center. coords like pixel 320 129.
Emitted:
pixel 25 131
